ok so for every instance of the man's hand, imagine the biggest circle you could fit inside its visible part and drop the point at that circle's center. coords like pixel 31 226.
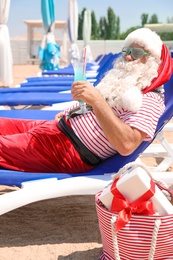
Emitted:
pixel 59 115
pixel 85 91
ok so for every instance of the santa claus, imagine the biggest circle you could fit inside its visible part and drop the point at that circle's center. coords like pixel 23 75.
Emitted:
pixel 127 81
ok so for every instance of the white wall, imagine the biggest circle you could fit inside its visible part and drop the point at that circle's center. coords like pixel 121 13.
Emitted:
pixel 20 55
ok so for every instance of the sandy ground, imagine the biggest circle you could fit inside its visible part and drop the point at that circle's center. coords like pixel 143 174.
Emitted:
pixel 21 72
pixel 55 229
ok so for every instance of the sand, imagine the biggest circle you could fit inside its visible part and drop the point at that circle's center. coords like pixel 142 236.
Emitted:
pixel 55 229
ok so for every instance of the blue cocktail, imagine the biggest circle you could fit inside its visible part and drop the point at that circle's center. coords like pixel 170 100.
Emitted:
pixel 79 71
pixel 79 67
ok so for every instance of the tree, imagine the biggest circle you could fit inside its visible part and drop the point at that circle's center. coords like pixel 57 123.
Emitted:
pixel 109 28
pixel 131 29
pixel 80 24
pixel 144 19
pixel 117 29
pixel 94 27
pixel 102 28
pixel 111 24
pixel 153 19
pixel 170 19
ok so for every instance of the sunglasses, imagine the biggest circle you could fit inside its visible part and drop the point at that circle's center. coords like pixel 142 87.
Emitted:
pixel 135 52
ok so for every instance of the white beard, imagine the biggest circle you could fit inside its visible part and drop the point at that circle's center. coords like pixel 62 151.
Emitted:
pixel 121 87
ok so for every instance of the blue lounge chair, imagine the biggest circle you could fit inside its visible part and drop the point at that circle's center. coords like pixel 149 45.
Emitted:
pixel 30 114
pixel 63 80
pixel 33 98
pixel 40 186
pixel 32 89
pixel 35 95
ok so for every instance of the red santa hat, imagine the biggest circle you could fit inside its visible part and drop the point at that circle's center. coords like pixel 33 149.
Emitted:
pixel 152 43
pixel 164 72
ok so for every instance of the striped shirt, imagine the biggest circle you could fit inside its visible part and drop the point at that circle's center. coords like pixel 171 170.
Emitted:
pixel 89 131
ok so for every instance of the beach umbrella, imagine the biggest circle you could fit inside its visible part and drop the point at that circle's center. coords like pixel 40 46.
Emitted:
pixel 6 61
pixel 49 51
pixel 86 33
pixel 73 29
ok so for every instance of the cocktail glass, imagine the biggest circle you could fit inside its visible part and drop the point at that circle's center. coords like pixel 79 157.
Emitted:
pixel 79 67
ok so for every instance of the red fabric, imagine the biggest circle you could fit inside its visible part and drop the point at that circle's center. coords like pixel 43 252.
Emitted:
pixel 37 146
pixel 141 206
pixel 164 72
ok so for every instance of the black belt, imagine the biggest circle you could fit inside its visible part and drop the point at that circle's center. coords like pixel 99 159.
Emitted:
pixel 86 155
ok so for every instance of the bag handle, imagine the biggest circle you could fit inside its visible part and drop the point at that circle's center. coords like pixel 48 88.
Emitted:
pixel 153 239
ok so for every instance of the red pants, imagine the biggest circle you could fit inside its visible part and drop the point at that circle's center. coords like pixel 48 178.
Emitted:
pixel 37 146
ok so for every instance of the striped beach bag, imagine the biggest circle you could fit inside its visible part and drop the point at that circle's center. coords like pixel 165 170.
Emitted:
pixel 142 238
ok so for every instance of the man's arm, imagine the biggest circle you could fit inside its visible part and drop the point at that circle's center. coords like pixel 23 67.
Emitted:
pixel 122 137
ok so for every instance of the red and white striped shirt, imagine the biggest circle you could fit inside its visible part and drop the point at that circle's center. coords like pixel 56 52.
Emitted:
pixel 89 131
